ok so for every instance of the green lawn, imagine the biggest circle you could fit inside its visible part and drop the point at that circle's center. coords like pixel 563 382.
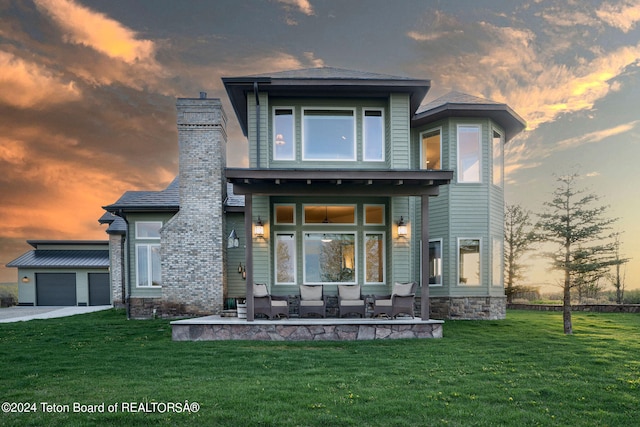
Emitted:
pixel 521 371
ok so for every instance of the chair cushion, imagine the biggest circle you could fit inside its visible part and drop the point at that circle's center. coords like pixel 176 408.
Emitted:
pixel 278 303
pixel 310 292
pixel 402 289
pixel 312 303
pixel 352 302
pixel 351 292
pixel 383 302
pixel 260 290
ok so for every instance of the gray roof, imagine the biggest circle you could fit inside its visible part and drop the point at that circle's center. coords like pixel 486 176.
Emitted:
pixel 233 200
pixel 117 225
pixel 322 82
pixel 457 104
pixel 45 258
pixel 164 200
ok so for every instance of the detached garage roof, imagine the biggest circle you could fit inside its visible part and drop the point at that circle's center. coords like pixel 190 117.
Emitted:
pixel 64 254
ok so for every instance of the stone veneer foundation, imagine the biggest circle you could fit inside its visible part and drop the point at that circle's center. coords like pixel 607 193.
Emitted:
pixel 214 328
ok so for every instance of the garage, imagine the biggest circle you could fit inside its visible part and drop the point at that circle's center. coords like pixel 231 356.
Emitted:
pixel 99 289
pixel 56 289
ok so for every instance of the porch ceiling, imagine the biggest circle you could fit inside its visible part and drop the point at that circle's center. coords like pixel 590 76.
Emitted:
pixel 304 182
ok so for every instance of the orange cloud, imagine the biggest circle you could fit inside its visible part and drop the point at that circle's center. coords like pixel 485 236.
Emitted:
pixel 623 16
pixel 302 5
pixel 25 84
pixel 97 31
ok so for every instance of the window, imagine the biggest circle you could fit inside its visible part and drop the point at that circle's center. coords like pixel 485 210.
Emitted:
pixel 497 260
pixel 373 135
pixel 285 258
pixel 323 214
pixel 284 147
pixel 148 229
pixel 148 265
pixel 285 214
pixel 435 262
pixel 374 214
pixel 469 261
pixel 328 135
pixel 329 258
pixel 431 150
pixel 498 159
pixel 374 257
pixel 469 153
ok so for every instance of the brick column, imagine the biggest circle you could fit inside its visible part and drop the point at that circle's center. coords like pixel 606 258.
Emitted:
pixel 192 242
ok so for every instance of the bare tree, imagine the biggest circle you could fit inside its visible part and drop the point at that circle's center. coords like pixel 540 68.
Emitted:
pixel 518 239
pixel 578 229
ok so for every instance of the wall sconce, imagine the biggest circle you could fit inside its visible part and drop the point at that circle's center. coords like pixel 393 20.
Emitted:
pixel 233 241
pixel 402 228
pixel 258 229
pixel 25 279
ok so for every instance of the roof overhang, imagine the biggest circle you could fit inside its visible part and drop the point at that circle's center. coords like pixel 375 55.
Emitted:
pixel 238 89
pixel 337 182
pixel 502 114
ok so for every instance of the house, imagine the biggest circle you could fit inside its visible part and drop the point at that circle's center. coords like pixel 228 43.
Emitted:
pixel 350 181
pixel 64 273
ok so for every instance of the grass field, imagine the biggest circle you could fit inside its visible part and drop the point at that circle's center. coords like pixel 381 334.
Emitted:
pixel 522 371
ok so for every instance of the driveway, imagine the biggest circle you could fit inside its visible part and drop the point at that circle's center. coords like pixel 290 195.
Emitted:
pixel 22 313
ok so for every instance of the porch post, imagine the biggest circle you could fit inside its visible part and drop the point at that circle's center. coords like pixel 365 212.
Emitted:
pixel 424 260
pixel 248 253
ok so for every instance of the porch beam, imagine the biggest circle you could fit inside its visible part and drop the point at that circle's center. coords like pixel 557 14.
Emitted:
pixel 331 189
pixel 248 254
pixel 425 309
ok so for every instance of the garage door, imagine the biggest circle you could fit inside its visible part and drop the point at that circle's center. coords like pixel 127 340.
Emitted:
pixel 99 289
pixel 56 289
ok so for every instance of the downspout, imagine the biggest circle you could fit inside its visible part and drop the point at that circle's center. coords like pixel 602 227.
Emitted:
pixel 255 92
pixel 126 285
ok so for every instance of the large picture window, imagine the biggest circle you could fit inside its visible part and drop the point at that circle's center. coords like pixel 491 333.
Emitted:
pixel 469 261
pixel 284 147
pixel 285 258
pixel 328 135
pixel 373 135
pixel 374 257
pixel 469 153
pixel 148 265
pixel 329 258
pixel 431 148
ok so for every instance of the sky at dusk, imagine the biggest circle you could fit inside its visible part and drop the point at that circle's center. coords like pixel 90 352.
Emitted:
pixel 88 91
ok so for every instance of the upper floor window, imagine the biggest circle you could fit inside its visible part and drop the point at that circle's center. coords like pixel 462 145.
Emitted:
pixel 469 153
pixel 498 158
pixel 284 147
pixel 373 135
pixel 148 229
pixel 328 135
pixel 431 148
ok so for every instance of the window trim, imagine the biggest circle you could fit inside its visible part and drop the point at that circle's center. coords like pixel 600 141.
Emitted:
pixel 355 133
pixel 500 160
pixel 149 284
pixel 138 237
pixel 274 134
pixel 438 240
pixel 294 261
pixel 459 276
pixel 364 135
pixel 422 153
pixel 353 233
pixel 458 159
pixel 384 256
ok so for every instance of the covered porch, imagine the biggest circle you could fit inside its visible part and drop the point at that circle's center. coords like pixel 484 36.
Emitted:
pixel 339 183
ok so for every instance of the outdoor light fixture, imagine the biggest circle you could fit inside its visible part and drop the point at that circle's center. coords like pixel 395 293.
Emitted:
pixel 402 228
pixel 233 241
pixel 259 228
pixel 25 279
pixel 240 268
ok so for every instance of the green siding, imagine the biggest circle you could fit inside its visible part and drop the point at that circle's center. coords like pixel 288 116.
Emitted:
pixel 236 286
pixel 400 134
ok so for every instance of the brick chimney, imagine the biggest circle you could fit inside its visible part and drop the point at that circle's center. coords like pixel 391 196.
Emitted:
pixel 192 250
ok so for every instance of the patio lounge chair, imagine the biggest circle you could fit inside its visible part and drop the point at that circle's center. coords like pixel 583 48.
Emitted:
pixel 312 300
pixel 400 301
pixel 350 300
pixel 269 305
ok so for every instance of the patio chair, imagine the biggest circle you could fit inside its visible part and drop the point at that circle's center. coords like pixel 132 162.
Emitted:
pixel 312 300
pixel 401 300
pixel 350 300
pixel 269 305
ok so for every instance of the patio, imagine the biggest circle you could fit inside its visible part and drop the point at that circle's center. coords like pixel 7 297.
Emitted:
pixel 215 328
